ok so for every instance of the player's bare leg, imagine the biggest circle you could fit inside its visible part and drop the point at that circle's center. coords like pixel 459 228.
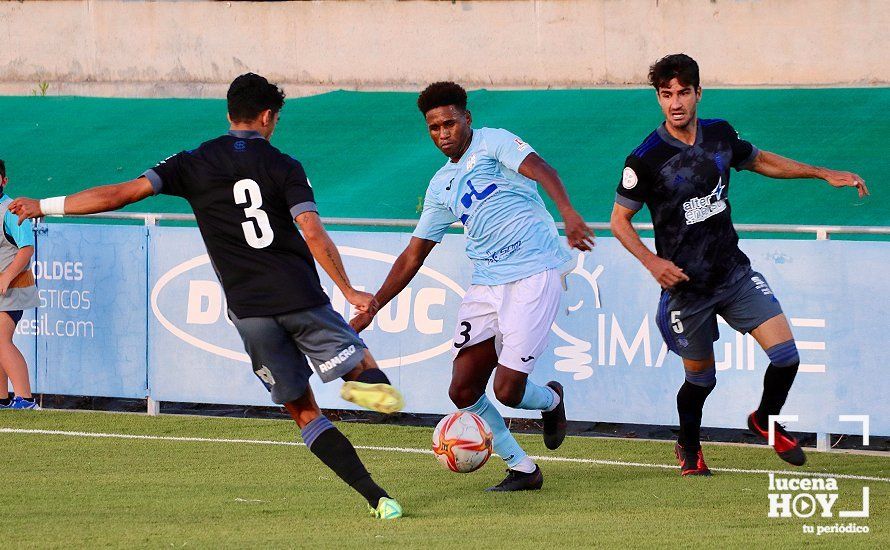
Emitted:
pixel 326 442
pixel 772 332
pixel 472 370
pixel 509 385
pixel 5 400
pixel 512 388
pixel 11 358
pixel 367 386
pixel 470 373
pixel 775 337
pixel 13 366
pixel 700 381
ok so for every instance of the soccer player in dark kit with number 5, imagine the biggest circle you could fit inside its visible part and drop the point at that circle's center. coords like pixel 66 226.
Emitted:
pixel 681 172
pixel 246 195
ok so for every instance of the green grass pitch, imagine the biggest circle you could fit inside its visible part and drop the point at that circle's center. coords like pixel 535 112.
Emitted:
pixel 72 491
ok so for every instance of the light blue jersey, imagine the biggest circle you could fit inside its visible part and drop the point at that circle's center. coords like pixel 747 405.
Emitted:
pixel 19 235
pixel 510 234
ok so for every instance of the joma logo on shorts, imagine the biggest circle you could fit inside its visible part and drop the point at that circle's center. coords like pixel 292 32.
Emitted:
pixel 761 285
pixel 337 359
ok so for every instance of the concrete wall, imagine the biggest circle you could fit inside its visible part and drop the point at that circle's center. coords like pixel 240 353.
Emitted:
pixel 194 48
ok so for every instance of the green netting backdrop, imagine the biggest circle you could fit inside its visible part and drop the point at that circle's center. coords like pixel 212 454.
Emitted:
pixel 368 155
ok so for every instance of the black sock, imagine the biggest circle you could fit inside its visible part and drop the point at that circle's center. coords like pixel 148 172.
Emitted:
pixel 6 401
pixel 776 385
pixel 29 399
pixel 690 401
pixel 338 454
pixel 372 376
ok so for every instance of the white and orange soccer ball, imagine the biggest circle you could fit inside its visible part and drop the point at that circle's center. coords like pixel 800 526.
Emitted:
pixel 462 442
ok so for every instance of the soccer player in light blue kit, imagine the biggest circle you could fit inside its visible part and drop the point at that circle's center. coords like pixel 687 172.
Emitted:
pixel 489 184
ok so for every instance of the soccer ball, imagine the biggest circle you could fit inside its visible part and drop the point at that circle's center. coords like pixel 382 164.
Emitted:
pixel 462 442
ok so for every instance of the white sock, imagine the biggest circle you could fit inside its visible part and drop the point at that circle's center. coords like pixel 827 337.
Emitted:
pixel 526 466
pixel 556 400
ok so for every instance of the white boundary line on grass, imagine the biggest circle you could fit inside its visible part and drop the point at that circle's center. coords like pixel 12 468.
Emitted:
pixel 409 450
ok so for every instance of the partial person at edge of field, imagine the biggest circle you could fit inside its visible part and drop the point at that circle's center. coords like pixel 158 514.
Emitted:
pixel 246 196
pixel 18 292
pixel 681 172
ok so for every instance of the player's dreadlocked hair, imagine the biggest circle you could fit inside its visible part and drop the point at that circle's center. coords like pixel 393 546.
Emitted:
pixel 440 94
pixel 250 94
pixel 2 169
pixel 679 66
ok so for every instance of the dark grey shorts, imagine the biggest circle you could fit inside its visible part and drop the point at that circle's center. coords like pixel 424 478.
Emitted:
pixel 689 327
pixel 279 345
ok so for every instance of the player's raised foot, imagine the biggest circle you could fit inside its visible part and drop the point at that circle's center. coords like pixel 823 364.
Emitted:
pixel 387 508
pixel 785 444
pixel 520 481
pixel 382 398
pixel 555 420
pixel 692 463
pixel 19 403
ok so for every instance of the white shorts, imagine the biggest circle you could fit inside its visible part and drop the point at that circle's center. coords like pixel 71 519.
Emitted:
pixel 518 315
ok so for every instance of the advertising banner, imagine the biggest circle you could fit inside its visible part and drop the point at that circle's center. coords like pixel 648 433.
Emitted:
pixel 90 327
pixel 136 311
pixel 605 346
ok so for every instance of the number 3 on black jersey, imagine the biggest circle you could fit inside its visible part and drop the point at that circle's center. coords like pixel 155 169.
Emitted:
pixel 247 192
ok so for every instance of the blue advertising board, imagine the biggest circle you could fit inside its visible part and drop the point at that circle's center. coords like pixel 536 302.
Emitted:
pixel 159 316
pixel 89 330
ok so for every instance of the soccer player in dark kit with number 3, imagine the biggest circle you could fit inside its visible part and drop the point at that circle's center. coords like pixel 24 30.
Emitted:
pixel 246 195
pixel 681 172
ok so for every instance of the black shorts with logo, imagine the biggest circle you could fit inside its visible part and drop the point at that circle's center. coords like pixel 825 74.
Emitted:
pixel 689 326
pixel 279 345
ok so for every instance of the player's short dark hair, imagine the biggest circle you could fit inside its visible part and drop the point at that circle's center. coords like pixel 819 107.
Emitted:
pixel 250 94
pixel 679 66
pixel 2 169
pixel 441 94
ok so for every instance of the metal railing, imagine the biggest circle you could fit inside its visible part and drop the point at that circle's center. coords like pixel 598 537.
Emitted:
pixel 821 232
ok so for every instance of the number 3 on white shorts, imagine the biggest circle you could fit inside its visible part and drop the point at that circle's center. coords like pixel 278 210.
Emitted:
pixel 247 192
pixel 676 323
pixel 467 327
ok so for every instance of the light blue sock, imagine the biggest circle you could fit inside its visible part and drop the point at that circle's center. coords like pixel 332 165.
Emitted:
pixel 536 398
pixel 505 444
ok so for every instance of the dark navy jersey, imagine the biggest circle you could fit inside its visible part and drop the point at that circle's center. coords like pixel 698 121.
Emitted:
pixel 245 194
pixel 687 191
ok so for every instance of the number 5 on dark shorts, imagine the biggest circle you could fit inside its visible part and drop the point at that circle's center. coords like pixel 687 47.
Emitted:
pixel 689 325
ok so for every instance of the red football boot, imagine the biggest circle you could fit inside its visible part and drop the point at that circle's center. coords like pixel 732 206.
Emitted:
pixel 785 444
pixel 691 464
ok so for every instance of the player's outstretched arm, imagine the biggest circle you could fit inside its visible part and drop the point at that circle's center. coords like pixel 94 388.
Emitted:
pixel 403 270
pixel 89 201
pixel 777 166
pixel 326 254
pixel 580 236
pixel 664 271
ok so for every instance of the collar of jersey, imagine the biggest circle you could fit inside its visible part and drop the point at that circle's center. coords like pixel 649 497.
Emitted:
pixel 671 140
pixel 246 134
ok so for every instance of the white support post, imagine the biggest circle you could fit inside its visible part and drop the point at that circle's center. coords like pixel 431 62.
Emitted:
pixel 152 407
pixel 821 234
pixel 823 442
